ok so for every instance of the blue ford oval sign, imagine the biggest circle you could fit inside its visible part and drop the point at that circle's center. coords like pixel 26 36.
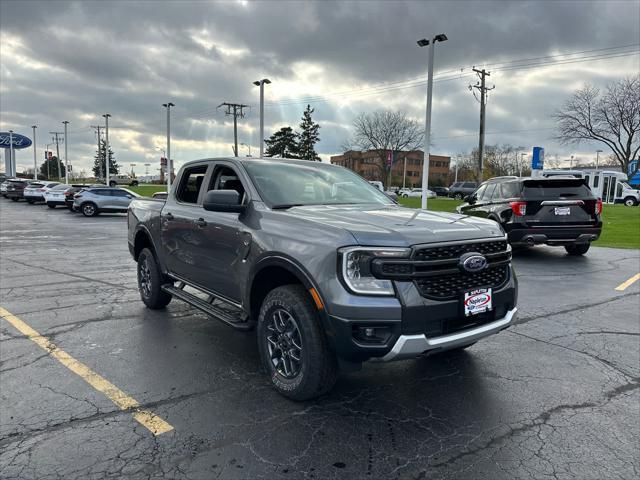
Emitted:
pixel 473 262
pixel 19 141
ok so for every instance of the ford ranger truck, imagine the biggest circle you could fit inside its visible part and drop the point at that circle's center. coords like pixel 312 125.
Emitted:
pixel 328 270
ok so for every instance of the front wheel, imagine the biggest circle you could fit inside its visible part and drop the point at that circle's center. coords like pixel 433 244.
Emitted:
pixel 579 249
pixel 14 199
pixel 134 184
pixel 630 202
pixel 112 183
pixel 30 202
pixel 89 210
pixel 150 280
pixel 50 205
pixel 293 347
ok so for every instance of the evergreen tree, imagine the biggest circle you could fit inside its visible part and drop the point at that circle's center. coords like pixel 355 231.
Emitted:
pixel 99 164
pixel 308 137
pixel 49 168
pixel 283 143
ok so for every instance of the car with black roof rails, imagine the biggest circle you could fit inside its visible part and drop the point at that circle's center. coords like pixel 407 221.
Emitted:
pixel 557 210
pixel 328 270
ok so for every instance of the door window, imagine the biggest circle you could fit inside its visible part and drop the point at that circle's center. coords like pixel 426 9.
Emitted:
pixel 190 184
pixel 119 193
pixel 510 190
pixel 488 193
pixel 480 193
pixel 225 178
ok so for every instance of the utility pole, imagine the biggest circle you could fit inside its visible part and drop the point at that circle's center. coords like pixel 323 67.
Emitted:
pixel 168 106
pixel 598 152
pixel 35 161
pixel 481 86
pixel 57 151
pixel 46 157
pixel 261 84
pixel 107 163
pixel 235 109
pixel 97 128
pixel 404 173
pixel 66 161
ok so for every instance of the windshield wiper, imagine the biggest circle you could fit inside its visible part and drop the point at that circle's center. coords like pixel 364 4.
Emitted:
pixel 284 206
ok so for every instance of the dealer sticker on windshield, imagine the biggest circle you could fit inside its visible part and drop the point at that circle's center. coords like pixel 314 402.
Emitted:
pixel 477 301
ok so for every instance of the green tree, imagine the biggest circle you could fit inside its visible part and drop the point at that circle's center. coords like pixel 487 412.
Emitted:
pixel 99 164
pixel 283 144
pixel 308 138
pixel 49 168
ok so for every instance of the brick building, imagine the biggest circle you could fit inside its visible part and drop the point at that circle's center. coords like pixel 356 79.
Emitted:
pixel 369 165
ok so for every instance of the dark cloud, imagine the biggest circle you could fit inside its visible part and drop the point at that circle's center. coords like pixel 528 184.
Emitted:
pixel 76 60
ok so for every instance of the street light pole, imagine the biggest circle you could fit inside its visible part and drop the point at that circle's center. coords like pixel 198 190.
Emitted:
pixel 455 180
pixel 168 106
pixel 35 161
pixel 107 162
pixel 261 83
pixel 66 160
pixel 598 152
pixel 427 127
pixel 571 163
pixel 47 160
pixel 12 162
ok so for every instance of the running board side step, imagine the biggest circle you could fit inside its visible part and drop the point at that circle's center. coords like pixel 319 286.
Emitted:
pixel 208 308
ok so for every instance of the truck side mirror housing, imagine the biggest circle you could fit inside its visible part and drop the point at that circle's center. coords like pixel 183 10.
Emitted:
pixel 223 201
pixel 469 199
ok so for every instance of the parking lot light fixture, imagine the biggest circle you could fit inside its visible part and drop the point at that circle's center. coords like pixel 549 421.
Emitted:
pixel 261 84
pixel 427 127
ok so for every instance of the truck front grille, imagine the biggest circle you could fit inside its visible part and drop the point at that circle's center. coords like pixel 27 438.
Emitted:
pixel 436 272
pixel 449 286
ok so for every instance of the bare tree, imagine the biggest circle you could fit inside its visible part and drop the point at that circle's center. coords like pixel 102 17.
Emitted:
pixel 612 118
pixel 385 130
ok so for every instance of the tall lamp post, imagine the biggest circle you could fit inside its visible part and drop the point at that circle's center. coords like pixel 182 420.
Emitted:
pixel 427 127
pixel 12 152
pixel 598 152
pixel 35 161
pixel 168 106
pixel 261 83
pixel 66 161
pixel 107 161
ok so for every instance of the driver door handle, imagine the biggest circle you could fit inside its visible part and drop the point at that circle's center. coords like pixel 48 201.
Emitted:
pixel 201 222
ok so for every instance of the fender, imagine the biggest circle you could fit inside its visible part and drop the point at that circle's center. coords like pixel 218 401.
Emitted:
pixel 143 228
pixel 283 261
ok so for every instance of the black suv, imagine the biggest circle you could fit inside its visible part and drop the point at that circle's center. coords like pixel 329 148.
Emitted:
pixel 552 211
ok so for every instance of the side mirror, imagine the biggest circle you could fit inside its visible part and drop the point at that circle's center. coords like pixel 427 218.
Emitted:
pixel 469 199
pixel 223 201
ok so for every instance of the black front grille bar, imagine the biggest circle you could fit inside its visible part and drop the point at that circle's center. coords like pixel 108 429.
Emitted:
pixel 428 268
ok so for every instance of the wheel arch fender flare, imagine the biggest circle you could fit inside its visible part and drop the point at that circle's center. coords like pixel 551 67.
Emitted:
pixel 144 231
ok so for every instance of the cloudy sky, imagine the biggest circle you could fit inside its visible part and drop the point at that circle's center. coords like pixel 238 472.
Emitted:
pixel 77 60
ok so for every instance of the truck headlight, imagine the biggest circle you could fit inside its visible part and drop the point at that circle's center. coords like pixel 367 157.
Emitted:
pixel 356 269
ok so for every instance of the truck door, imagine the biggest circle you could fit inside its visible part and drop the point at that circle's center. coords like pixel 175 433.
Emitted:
pixel 183 243
pixel 227 238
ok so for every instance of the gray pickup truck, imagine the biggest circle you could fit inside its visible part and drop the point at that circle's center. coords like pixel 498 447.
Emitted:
pixel 328 269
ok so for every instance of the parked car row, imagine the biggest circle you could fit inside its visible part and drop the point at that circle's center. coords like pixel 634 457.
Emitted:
pixel 90 200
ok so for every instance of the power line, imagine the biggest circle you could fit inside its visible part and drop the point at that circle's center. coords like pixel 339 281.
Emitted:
pixel 235 109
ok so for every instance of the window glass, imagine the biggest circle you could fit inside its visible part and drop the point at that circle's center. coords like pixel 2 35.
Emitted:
pixel 510 189
pixel 480 192
pixel 301 182
pixel 469 185
pixel 488 193
pixel 190 184
pixel 100 191
pixel 226 178
pixel 552 189
pixel 119 193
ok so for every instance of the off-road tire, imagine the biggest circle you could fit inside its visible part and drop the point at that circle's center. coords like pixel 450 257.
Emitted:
pixel 148 270
pixel 578 249
pixel 319 367
pixel 89 209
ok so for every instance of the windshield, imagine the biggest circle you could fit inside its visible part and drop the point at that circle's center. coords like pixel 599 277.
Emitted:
pixel 286 184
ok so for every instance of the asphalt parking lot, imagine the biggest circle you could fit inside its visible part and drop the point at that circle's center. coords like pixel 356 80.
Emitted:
pixel 555 396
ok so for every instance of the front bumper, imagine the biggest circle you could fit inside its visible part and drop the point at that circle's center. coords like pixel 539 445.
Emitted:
pixel 409 346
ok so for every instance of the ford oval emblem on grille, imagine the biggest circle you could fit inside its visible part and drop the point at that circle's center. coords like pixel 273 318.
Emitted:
pixel 472 262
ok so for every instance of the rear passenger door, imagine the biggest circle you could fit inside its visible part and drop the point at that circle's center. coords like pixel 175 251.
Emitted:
pixel 120 199
pixel 183 243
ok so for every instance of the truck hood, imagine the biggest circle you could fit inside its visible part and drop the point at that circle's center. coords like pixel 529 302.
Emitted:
pixel 398 226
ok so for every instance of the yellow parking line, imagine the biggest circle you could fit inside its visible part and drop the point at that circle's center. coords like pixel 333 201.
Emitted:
pixel 623 286
pixel 146 418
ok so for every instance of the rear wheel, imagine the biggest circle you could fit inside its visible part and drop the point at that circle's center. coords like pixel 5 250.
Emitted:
pixel 150 280
pixel 50 205
pixel 89 210
pixel 579 249
pixel 30 202
pixel 293 347
pixel 630 202
pixel 15 199
pixel 458 196
pixel 112 183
